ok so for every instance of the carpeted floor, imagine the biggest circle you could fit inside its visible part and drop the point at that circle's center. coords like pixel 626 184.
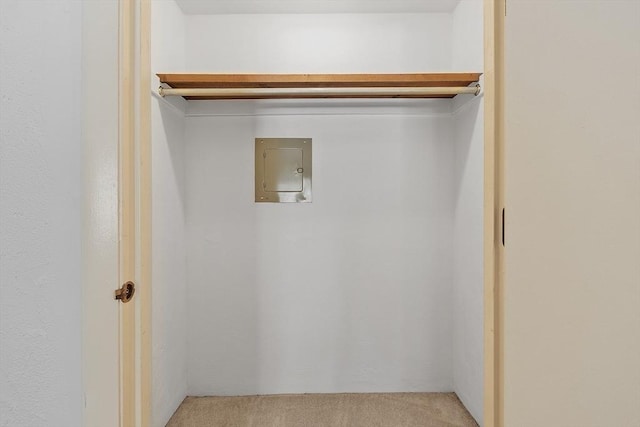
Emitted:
pixel 325 410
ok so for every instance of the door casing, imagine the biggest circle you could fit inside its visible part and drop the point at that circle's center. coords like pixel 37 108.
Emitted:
pixel 494 205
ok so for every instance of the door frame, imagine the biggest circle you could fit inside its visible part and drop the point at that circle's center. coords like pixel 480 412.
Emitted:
pixel 128 209
pixel 135 211
pixel 145 207
pixel 494 13
pixel 135 55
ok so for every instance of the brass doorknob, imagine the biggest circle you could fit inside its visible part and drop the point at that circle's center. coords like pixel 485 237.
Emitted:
pixel 126 292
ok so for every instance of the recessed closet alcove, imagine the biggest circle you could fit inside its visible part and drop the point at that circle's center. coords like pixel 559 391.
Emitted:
pixel 377 284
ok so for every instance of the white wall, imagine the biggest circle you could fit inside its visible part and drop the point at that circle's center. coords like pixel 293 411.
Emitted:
pixel 333 43
pixel 468 228
pixel 349 293
pixel 467 38
pixel 40 213
pixel 468 285
pixel 572 254
pixel 353 291
pixel 169 301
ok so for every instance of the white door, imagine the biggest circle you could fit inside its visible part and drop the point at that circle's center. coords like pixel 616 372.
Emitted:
pixel 572 255
pixel 109 339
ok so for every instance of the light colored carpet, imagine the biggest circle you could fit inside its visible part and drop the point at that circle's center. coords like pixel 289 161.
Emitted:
pixel 330 410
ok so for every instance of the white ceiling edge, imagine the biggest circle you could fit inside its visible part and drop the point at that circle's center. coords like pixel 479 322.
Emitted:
pixel 224 7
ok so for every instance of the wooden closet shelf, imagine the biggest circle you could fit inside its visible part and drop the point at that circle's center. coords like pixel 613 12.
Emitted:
pixel 270 86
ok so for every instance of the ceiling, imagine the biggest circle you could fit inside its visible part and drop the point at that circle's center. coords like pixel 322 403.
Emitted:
pixel 206 7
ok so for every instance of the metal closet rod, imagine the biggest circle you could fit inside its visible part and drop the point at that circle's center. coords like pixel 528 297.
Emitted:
pixel 319 92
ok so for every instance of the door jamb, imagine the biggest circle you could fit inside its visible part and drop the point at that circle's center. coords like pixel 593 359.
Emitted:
pixel 494 15
pixel 145 202
pixel 135 186
pixel 127 200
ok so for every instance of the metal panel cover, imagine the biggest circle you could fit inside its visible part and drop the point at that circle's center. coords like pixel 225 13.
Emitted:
pixel 283 170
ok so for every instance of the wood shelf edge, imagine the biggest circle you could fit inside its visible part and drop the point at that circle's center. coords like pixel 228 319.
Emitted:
pixel 307 81
pixel 200 80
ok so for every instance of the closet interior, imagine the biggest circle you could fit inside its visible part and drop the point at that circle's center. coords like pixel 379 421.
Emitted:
pixel 376 285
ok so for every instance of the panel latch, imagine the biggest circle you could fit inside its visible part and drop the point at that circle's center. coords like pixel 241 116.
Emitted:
pixel 503 226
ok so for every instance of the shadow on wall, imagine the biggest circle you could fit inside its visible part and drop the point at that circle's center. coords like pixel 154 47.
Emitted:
pixel 468 237
pixel 169 294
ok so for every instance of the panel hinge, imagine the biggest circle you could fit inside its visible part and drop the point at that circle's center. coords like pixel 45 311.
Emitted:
pixel 505 7
pixel 264 154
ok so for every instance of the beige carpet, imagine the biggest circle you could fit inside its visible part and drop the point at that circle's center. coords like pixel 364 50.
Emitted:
pixel 317 410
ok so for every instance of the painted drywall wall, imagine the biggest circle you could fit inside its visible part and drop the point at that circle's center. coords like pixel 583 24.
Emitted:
pixel 572 270
pixel 468 226
pixel 468 285
pixel 169 293
pixel 350 293
pixel 40 213
pixel 467 37
pixel 333 43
